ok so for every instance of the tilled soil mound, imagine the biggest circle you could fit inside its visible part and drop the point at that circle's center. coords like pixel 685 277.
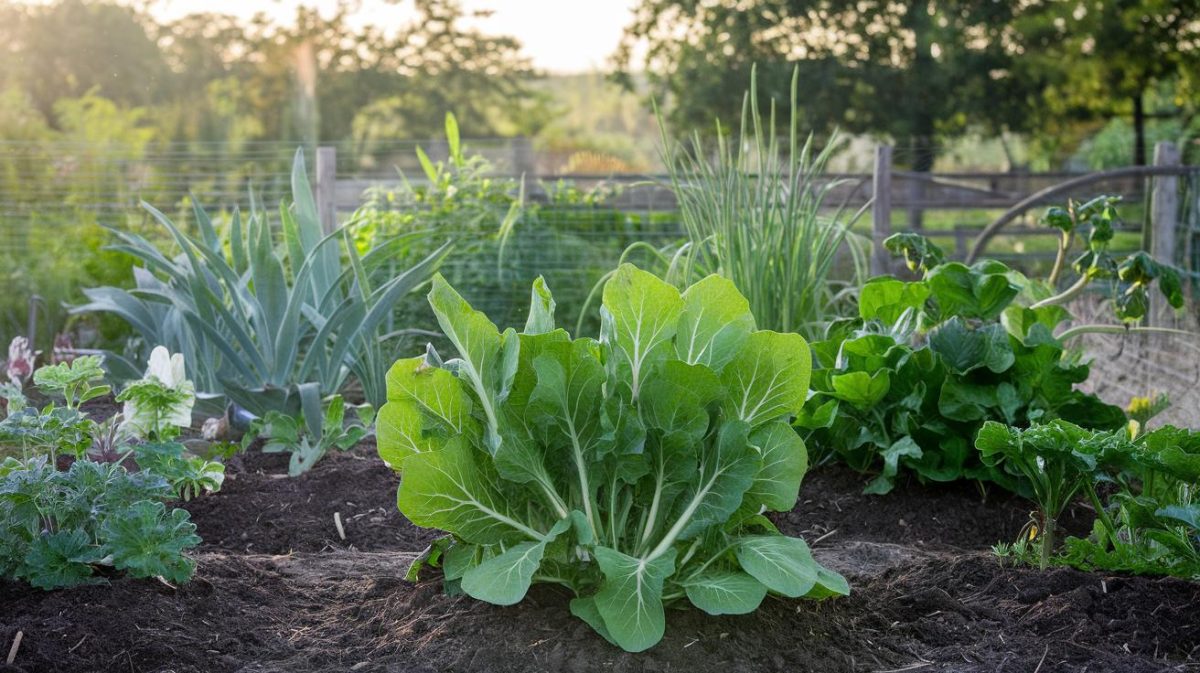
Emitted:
pixel 279 589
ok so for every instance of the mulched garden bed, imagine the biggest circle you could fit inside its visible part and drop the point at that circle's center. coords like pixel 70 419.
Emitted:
pixel 278 589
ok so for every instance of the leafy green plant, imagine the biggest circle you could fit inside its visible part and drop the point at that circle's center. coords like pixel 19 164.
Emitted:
pixel 189 476
pixel 909 382
pixel 52 431
pixel 633 470
pixel 1144 488
pixel 1057 459
pixel 159 404
pixel 274 325
pixel 756 212
pixel 308 440
pixel 13 396
pixel 501 236
pixel 76 382
pixel 58 527
pixel 1129 278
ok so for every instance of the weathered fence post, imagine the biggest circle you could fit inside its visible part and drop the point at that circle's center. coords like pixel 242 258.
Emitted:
pixel 325 188
pixel 881 209
pixel 1164 221
pixel 1164 206
pixel 522 156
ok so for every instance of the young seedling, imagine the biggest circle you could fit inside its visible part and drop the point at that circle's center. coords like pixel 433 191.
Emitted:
pixel 76 382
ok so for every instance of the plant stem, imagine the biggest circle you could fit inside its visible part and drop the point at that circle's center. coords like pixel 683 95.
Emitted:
pixel 1118 329
pixel 1048 526
pixel 1101 513
pixel 1066 295
pixel 1064 243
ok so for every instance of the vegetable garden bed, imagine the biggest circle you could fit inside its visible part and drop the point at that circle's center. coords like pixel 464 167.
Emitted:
pixel 278 589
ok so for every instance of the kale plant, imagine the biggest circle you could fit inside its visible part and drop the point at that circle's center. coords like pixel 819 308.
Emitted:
pixel 633 470
pixel 58 528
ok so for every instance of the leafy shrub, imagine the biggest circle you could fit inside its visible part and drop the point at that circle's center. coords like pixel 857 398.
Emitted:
pixel 910 382
pixel 633 470
pixel 59 527
pixel 274 325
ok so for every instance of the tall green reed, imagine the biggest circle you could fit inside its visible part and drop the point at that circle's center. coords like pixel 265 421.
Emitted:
pixel 760 214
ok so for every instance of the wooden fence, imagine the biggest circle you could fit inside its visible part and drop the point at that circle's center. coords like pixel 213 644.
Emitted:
pixel 891 194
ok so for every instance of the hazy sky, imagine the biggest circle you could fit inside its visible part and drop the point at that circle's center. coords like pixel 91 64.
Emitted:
pixel 559 35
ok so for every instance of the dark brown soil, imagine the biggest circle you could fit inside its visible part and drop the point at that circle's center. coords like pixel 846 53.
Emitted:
pixel 260 510
pixel 278 590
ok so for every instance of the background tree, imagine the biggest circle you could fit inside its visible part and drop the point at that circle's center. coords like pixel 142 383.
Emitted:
pixel 917 72
pixel 1131 59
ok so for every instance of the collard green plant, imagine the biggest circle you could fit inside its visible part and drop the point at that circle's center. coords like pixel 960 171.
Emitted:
pixel 272 324
pixel 633 470
pixel 57 528
pixel 309 439
pixel 909 383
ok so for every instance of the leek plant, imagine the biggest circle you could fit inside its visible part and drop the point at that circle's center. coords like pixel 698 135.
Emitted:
pixel 756 212
pixel 271 324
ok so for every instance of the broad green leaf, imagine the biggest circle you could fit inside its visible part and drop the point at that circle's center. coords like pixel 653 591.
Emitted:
pixel 454 489
pixel 723 476
pixel 479 346
pixel 1185 514
pixel 676 400
pixel 783 564
pixel 966 402
pixel 541 309
pixel 423 401
pixel 768 378
pixel 725 592
pixel 641 314
pixel 585 609
pixel 888 299
pixel 784 460
pixel 565 408
pixel 504 579
pixel 567 396
pixel 968 292
pixel 861 389
pixel 714 324
pixel 630 600
pixel 964 349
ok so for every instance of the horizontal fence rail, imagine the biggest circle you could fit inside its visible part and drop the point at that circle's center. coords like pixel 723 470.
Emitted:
pixel 51 192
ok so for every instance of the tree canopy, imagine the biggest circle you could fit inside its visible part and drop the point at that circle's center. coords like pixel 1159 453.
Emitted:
pixel 214 77
pixel 917 72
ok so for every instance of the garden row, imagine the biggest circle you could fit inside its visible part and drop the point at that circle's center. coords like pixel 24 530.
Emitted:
pixel 637 470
